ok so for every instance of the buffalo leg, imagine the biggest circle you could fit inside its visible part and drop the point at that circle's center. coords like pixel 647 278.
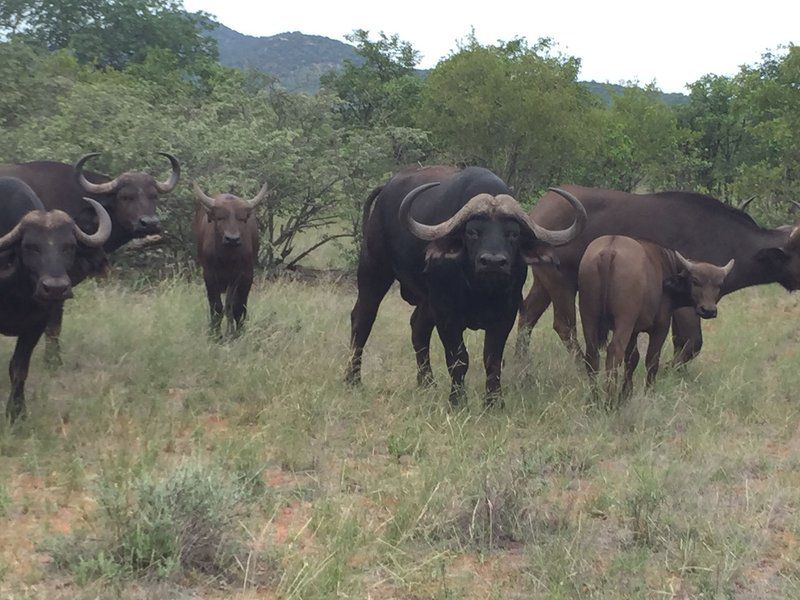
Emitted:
pixel 18 372
pixel 654 346
pixel 215 307
pixel 592 356
pixel 422 324
pixel 530 311
pixel 631 362
pixel 52 346
pixel 239 308
pixel 687 336
pixel 494 344
pixel 565 322
pixel 372 287
pixel 615 356
pixel 457 358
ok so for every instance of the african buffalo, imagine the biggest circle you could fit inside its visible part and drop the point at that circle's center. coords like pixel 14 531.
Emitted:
pixel 130 200
pixel 694 224
pixel 39 249
pixel 226 233
pixel 632 286
pixel 458 243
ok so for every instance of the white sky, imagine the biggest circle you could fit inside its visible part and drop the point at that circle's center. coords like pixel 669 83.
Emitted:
pixel 671 42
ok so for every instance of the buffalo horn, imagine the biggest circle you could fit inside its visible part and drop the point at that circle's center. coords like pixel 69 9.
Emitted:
pixel 99 237
pixel 685 263
pixel 729 267
pixel 167 186
pixel 794 238
pixel 561 236
pixel 206 200
pixel 423 232
pixel 744 205
pixel 262 193
pixel 108 187
pixel 11 237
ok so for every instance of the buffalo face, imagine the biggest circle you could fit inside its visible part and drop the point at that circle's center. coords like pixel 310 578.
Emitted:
pixel 491 246
pixel 228 214
pixel 493 232
pixel 700 285
pixel 135 195
pixel 783 262
pixel 44 245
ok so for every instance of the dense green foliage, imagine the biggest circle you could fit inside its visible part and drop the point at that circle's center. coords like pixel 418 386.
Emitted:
pixel 136 76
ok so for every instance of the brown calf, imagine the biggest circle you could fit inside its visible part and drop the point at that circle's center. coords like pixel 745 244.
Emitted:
pixel 631 286
pixel 226 233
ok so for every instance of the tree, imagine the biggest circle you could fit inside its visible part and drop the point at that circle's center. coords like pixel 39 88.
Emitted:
pixel 513 108
pixel 111 33
pixel 641 144
pixel 383 87
pixel 719 127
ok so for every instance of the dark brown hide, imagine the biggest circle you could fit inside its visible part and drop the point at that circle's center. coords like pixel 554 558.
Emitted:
pixel 696 225
pixel 630 286
pixel 226 233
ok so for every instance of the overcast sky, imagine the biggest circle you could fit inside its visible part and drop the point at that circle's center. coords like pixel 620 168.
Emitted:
pixel 672 42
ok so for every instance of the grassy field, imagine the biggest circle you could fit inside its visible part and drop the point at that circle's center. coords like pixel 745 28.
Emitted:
pixel 159 464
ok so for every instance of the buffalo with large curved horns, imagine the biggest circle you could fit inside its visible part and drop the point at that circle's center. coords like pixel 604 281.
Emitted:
pixel 39 248
pixel 459 244
pixel 130 199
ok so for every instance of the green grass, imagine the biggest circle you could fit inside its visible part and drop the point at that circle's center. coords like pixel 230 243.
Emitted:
pixel 301 487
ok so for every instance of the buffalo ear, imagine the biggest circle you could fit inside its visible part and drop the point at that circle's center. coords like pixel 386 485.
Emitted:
pixel 679 289
pixel 534 253
pixel 450 247
pixel 772 257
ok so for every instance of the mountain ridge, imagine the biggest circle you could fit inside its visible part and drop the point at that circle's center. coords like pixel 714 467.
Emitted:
pixel 297 60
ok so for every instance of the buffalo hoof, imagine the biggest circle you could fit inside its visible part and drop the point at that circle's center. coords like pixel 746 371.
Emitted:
pixel 425 380
pixel 352 379
pixel 15 411
pixel 52 356
pixel 494 400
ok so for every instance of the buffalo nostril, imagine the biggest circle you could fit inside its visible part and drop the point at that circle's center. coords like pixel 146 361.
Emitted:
pixel 149 221
pixel 493 260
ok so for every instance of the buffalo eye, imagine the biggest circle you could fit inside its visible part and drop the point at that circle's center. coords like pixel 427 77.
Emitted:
pixel 695 281
pixel 32 248
pixel 473 234
pixel 512 235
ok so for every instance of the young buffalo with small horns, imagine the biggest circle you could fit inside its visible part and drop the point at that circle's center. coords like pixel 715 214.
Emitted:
pixel 630 286
pixel 226 233
pixel 38 249
pixel 459 244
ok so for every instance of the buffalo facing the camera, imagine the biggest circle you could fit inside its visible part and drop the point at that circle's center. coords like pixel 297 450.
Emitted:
pixel 226 233
pixel 130 200
pixel 38 249
pixel 459 244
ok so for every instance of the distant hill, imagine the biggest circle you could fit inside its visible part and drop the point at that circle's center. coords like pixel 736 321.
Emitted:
pixel 298 60
pixel 605 90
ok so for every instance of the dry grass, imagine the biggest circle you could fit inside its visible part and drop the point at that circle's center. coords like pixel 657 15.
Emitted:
pixel 690 490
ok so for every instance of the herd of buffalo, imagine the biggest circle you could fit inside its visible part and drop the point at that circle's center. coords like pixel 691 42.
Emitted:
pixel 455 239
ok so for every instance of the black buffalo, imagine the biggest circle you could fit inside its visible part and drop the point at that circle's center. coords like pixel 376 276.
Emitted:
pixel 38 248
pixel 694 224
pixel 130 200
pixel 459 245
